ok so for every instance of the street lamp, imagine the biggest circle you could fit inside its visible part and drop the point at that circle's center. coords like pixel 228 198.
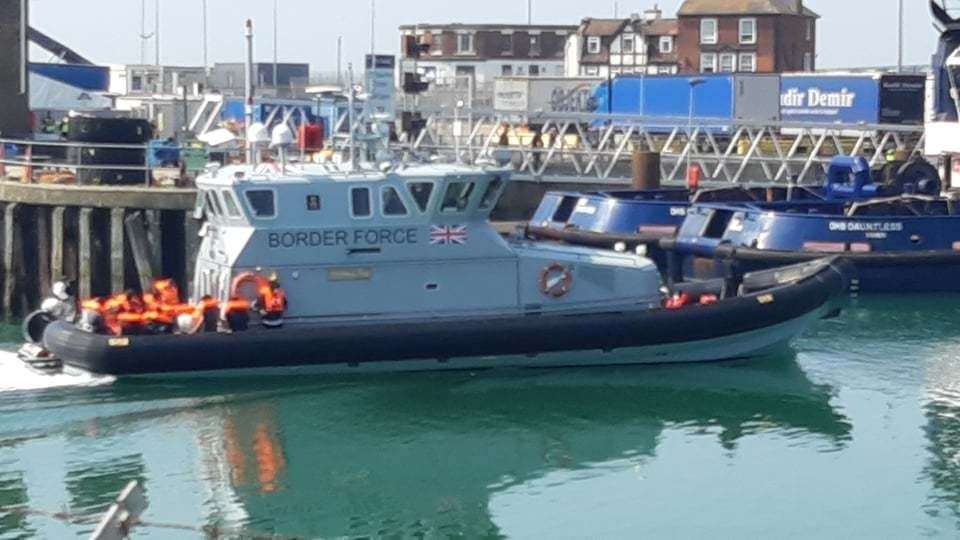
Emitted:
pixel 694 82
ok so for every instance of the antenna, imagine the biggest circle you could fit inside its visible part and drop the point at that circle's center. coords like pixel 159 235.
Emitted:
pixel 276 40
pixel 206 63
pixel 529 12
pixel 248 98
pixel 156 33
pixel 899 36
pixel 373 26
pixel 144 36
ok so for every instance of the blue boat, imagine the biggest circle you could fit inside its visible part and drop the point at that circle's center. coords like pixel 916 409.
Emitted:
pixel 631 218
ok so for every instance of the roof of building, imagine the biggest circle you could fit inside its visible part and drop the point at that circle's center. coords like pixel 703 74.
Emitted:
pixel 612 27
pixel 745 7
pixel 490 27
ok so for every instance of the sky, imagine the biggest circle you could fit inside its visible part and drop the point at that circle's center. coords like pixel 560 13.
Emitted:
pixel 852 33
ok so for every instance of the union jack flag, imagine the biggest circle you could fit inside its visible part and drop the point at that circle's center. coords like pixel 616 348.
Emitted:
pixel 446 235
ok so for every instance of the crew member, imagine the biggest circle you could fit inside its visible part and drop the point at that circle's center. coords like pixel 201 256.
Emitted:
pixel 272 303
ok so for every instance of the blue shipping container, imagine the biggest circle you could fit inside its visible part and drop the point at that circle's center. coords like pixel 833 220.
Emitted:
pixel 870 98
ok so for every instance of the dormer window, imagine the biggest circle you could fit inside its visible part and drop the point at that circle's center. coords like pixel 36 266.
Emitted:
pixel 666 44
pixel 465 44
pixel 593 45
pixel 628 44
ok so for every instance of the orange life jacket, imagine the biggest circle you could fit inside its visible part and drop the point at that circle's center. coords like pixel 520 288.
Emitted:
pixel 273 300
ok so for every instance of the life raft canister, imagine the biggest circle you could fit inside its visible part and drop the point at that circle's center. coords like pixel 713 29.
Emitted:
pixel 556 280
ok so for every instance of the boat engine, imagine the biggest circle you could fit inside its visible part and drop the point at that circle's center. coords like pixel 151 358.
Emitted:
pixel 61 306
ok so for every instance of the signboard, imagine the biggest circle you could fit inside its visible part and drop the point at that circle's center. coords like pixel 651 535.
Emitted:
pixel 540 94
pixel 381 91
pixel 853 99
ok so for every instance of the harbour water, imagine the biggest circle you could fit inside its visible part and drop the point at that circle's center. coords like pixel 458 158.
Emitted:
pixel 854 435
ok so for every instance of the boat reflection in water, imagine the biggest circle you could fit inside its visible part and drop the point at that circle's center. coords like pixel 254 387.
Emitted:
pixel 415 456
pixel 379 456
pixel 943 430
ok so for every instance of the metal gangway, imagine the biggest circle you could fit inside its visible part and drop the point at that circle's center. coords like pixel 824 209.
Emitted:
pixel 598 148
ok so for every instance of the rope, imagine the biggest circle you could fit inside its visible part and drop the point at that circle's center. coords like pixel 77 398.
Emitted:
pixel 212 532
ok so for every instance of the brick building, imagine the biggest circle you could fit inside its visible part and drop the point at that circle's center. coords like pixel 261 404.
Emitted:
pixel 609 47
pixel 486 51
pixel 766 36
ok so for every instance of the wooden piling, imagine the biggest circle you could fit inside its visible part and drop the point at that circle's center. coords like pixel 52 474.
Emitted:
pixel 56 243
pixel 191 245
pixel 140 246
pixel 43 273
pixel 117 249
pixel 85 279
pixel 10 233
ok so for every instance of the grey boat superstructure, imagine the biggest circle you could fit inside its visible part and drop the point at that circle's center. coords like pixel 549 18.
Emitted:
pixel 411 242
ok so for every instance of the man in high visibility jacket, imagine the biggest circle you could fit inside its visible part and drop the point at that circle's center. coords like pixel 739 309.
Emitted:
pixel 272 303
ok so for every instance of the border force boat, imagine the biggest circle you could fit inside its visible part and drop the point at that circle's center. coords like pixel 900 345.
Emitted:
pixel 400 269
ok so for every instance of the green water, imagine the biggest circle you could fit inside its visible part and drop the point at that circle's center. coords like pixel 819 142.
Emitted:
pixel 856 435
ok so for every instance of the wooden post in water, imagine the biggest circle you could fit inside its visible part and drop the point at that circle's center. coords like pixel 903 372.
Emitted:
pixel 10 233
pixel 116 250
pixel 43 251
pixel 191 246
pixel 85 280
pixel 140 245
pixel 56 243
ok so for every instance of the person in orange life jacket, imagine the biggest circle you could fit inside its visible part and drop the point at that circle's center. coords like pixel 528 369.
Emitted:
pixel 272 303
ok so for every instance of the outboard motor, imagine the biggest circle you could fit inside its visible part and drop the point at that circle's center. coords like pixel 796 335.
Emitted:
pixel 62 306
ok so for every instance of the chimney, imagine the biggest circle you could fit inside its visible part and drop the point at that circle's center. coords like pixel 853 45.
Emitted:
pixel 654 14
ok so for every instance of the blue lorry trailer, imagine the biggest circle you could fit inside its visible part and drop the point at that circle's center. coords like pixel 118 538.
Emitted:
pixel 664 101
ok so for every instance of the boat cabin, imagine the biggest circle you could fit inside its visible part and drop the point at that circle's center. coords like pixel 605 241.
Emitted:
pixel 412 240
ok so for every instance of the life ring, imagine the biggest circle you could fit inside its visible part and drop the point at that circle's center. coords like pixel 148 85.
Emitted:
pixel 251 278
pixel 556 280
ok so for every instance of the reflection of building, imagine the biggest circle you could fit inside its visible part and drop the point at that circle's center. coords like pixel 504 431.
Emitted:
pixel 759 36
pixel 486 51
pixel 639 44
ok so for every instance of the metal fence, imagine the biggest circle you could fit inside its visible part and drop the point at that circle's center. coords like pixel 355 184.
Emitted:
pixel 585 148
pixel 75 163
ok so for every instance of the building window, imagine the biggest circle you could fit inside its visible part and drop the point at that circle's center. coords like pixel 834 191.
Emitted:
pixel 666 44
pixel 728 63
pixel 136 83
pixel 664 70
pixel 534 45
pixel 708 63
pixel 810 27
pixel 506 70
pixel 807 62
pixel 748 31
pixel 591 71
pixel 708 31
pixel 593 45
pixel 534 71
pixel 465 44
pixel 628 44
pixel 748 62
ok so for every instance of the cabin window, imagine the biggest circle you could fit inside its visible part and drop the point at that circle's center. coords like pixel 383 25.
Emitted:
pixel 392 204
pixel 314 204
pixel 230 204
pixel 360 206
pixel 491 194
pixel 421 193
pixel 457 197
pixel 213 205
pixel 262 203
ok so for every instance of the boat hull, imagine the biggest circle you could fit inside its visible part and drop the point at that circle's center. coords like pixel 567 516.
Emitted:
pixel 740 327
